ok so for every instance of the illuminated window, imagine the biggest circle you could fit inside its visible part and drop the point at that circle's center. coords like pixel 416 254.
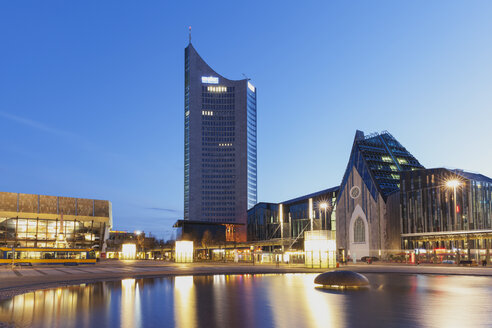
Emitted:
pixel 393 168
pixel 402 161
pixel 216 88
pixel 359 231
pixel 386 159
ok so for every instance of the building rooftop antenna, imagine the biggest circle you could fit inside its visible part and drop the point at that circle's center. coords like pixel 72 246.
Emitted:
pixel 247 78
pixel 189 33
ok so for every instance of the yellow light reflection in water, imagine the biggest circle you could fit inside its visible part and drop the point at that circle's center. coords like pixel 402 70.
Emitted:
pixel 48 308
pixel 184 302
pixel 308 308
pixel 130 304
pixel 454 301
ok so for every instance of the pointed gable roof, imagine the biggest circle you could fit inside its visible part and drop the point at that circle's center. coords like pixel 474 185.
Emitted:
pixel 379 158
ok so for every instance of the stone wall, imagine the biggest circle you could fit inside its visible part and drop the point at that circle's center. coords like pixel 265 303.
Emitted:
pixel 8 201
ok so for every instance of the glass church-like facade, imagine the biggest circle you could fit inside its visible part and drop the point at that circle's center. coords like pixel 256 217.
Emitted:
pixel 220 144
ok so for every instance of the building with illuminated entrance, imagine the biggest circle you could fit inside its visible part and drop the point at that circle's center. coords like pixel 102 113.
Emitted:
pixel 39 221
pixel 220 145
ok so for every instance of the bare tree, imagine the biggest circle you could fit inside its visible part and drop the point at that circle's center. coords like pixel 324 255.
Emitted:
pixel 207 240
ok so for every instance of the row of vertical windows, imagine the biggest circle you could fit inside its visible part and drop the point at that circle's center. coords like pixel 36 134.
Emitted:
pixel 218 209
pixel 219 122
pixel 215 139
pixel 217 129
pixel 220 149
pixel 218 204
pixel 218 171
pixel 218 198
pixel 218 134
pixel 222 187
pixel 221 155
pixel 218 165
pixel 218 192
pixel 215 181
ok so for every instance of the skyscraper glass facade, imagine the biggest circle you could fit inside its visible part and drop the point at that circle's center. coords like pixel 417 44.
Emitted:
pixel 187 137
pixel 220 179
pixel 218 153
pixel 251 126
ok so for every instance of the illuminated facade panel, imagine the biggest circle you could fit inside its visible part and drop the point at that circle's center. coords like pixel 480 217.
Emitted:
pixel 184 251
pixel 320 249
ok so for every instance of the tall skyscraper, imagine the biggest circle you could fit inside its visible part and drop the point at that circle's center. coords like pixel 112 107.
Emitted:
pixel 220 144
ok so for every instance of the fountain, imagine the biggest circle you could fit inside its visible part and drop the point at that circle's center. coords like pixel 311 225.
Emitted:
pixel 341 279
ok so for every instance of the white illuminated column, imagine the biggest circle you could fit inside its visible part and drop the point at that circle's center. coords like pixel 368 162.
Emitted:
pixel 311 212
pixel 281 219
pixel 320 249
pixel 184 251
pixel 129 251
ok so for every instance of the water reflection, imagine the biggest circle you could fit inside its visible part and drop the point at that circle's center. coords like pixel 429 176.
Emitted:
pixel 184 302
pixel 48 307
pixel 289 300
pixel 130 304
pixel 450 303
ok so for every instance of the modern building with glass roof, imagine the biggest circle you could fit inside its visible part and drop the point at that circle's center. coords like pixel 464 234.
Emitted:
pixel 368 201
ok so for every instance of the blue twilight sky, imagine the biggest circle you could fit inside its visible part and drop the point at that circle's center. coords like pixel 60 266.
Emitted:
pixel 91 92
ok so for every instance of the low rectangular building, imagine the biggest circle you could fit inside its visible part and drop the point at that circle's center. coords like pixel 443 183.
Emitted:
pixel 28 220
pixel 290 219
pixel 446 210
pixel 214 232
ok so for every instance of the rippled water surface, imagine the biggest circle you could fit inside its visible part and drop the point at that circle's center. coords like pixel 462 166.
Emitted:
pixel 289 300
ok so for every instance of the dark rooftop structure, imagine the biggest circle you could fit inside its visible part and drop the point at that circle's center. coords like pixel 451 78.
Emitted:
pixel 472 176
pixel 379 158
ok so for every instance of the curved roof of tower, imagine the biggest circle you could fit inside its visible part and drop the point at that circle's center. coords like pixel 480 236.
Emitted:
pixel 203 64
pixel 379 157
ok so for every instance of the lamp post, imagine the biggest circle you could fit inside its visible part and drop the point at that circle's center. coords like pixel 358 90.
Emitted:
pixel 324 206
pixel 453 184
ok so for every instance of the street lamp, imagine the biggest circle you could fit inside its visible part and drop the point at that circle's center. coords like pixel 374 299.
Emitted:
pixel 324 206
pixel 453 184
